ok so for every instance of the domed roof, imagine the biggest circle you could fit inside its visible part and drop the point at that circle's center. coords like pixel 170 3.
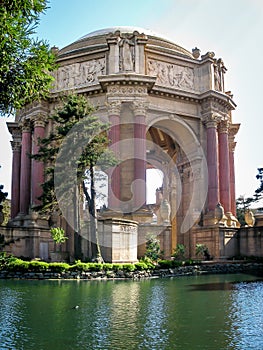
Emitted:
pixel 97 38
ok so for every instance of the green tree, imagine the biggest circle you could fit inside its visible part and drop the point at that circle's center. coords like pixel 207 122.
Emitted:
pixel 25 62
pixel 153 249
pixel 77 146
pixel 243 203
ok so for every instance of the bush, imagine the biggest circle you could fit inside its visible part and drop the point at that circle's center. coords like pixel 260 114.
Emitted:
pixel 140 266
pixel 79 266
pixel 58 267
pixel 117 267
pixel 38 266
pixel 166 264
pixel 128 267
pixel 18 265
pixel 153 250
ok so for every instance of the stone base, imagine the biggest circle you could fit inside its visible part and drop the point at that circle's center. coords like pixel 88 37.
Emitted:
pixel 118 240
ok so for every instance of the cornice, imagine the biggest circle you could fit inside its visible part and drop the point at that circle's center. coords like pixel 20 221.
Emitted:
pixel 127 79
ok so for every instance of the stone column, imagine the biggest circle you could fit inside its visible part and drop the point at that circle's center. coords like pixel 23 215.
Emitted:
pixel 114 189
pixel 139 195
pixel 224 172
pixel 16 164
pixel 25 168
pixel 37 170
pixel 232 144
pixel 212 162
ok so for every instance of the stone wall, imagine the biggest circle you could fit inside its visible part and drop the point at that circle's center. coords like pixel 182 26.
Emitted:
pixel 195 270
pixel 250 241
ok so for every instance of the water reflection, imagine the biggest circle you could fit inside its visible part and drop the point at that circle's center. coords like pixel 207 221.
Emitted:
pixel 162 314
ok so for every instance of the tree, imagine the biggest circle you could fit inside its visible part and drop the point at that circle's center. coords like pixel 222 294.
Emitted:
pixel 242 203
pixel 3 196
pixel 25 62
pixel 76 146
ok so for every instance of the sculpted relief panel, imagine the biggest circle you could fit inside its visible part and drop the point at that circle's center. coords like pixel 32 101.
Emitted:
pixel 171 75
pixel 79 74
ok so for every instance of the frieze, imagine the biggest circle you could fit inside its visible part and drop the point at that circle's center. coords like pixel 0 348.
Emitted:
pixel 79 74
pixel 171 75
pixel 126 90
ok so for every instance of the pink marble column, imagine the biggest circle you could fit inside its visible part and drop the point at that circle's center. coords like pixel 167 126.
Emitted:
pixel 25 169
pixel 139 155
pixel 15 130
pixel 212 163
pixel 232 144
pixel 37 168
pixel 224 170
pixel 114 191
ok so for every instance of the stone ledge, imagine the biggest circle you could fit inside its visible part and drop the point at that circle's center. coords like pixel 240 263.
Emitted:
pixel 211 268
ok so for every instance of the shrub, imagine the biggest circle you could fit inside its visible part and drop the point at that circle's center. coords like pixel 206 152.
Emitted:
pixel 153 250
pixel 128 267
pixel 58 267
pixel 140 266
pixel 38 266
pixel 18 265
pixel 165 264
pixel 107 267
pixel 79 266
pixel 58 234
pixel 117 267
pixel 179 252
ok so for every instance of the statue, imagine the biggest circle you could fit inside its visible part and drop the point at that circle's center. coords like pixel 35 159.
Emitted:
pixel 126 54
pixel 219 212
pixel 165 211
pixel 249 218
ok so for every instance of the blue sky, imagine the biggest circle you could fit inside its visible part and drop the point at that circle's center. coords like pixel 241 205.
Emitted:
pixel 233 29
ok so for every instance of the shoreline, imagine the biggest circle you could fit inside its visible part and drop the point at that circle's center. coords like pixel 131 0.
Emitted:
pixel 205 268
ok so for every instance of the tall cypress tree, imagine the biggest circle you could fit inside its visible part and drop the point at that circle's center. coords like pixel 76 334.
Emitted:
pixel 77 145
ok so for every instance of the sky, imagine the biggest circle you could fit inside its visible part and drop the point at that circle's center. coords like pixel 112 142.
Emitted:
pixel 232 29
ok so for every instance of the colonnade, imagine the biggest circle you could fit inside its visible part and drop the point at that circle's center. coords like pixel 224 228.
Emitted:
pixel 220 162
pixel 27 173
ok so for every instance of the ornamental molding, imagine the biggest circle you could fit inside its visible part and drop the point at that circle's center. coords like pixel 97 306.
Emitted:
pixel 223 127
pixel 171 75
pixel 213 101
pixel 113 107
pixel 79 74
pixel 16 145
pixel 124 90
pixel 139 107
pixel 126 84
pixel 212 120
pixel 233 130
pixel 15 131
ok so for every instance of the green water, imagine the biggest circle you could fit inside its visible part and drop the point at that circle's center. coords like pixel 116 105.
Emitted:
pixel 204 312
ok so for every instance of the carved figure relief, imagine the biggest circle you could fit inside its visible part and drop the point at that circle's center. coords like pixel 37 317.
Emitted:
pixel 126 54
pixel 171 75
pixel 79 74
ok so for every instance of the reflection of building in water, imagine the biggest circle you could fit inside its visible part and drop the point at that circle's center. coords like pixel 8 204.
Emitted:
pixel 168 110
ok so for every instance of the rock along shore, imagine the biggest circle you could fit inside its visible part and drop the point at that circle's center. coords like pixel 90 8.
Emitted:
pixel 200 269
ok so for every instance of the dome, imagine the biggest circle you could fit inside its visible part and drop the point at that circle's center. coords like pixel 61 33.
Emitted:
pixel 97 39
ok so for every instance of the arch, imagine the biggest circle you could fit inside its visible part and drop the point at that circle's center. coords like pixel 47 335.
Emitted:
pixel 192 165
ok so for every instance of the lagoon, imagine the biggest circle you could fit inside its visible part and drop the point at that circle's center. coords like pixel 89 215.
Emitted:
pixel 187 313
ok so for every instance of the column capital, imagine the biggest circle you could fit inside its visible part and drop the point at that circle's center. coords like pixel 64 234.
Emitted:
pixel 139 107
pixel 114 107
pixel 16 145
pixel 15 131
pixel 39 120
pixel 212 120
pixel 232 146
pixel 233 130
pixel 26 125
pixel 223 127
